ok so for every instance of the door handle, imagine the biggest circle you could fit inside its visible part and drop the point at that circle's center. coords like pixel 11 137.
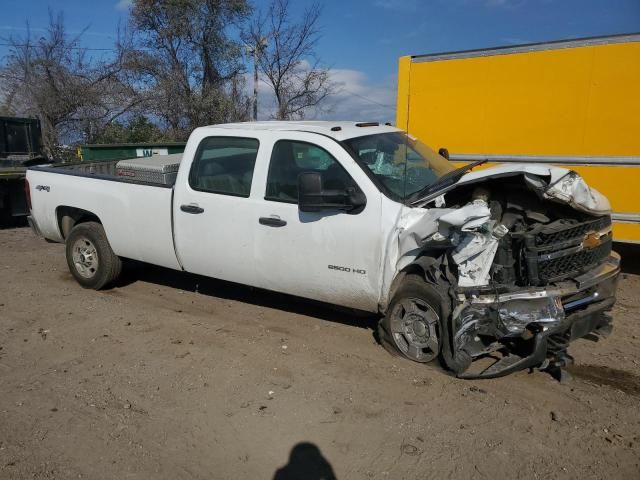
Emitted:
pixel 191 209
pixel 272 222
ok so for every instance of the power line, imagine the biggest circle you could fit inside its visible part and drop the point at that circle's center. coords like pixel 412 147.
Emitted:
pixel 367 99
pixel 67 48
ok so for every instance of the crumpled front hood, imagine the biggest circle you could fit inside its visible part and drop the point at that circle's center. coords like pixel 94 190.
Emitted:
pixel 553 183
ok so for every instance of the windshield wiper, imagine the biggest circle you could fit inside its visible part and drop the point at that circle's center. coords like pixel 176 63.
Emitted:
pixel 446 180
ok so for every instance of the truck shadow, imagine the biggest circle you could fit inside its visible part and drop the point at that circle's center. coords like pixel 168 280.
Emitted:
pixel 630 254
pixel 7 222
pixel 624 381
pixel 137 271
pixel 140 272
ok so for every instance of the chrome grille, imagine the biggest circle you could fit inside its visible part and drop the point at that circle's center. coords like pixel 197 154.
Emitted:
pixel 573 263
pixel 558 250
pixel 571 231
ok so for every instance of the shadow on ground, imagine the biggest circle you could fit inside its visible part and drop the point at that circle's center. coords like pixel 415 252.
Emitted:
pixel 136 271
pixel 306 462
pixel 622 380
pixel 630 254
pixel 7 222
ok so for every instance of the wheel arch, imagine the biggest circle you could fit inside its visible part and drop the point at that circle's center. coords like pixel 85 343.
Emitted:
pixel 68 217
pixel 434 269
pixel 422 266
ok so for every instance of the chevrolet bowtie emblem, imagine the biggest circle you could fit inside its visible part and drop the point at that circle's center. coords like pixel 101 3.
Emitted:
pixel 592 240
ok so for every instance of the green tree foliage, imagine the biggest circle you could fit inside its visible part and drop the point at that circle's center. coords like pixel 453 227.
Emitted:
pixel 184 54
pixel 138 130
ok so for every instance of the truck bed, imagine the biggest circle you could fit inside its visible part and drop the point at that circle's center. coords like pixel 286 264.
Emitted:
pixel 104 171
pixel 137 216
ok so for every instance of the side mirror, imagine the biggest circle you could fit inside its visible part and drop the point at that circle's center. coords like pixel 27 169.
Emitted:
pixel 443 152
pixel 313 198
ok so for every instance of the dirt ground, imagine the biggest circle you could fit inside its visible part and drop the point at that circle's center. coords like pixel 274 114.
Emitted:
pixel 172 376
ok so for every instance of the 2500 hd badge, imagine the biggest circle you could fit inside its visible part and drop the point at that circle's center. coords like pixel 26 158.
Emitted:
pixel 347 269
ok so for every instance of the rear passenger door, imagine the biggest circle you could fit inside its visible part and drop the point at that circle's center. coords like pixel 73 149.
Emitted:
pixel 214 216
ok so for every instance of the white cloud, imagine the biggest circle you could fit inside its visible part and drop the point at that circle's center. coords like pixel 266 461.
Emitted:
pixel 124 5
pixel 355 98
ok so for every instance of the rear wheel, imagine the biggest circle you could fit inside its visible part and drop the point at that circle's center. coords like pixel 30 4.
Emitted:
pixel 412 323
pixel 90 258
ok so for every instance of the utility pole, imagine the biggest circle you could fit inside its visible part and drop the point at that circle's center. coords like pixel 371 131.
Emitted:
pixel 256 49
pixel 255 83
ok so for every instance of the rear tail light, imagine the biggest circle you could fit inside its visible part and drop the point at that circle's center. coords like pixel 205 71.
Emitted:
pixel 27 193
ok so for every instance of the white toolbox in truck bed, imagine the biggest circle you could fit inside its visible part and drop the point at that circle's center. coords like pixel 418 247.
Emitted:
pixel 160 169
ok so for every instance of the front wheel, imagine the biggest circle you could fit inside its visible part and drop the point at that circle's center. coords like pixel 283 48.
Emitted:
pixel 90 258
pixel 412 323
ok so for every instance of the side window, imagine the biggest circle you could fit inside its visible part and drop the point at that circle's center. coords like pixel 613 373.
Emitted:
pixel 290 158
pixel 224 165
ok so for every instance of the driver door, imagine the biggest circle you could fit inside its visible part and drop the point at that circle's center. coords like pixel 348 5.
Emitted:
pixel 333 255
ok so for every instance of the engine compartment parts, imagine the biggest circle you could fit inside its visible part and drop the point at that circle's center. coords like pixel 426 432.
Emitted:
pixel 476 240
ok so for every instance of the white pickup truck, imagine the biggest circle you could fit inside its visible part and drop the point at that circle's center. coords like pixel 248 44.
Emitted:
pixel 509 263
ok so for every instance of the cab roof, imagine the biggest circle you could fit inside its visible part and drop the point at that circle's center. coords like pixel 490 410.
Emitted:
pixel 337 130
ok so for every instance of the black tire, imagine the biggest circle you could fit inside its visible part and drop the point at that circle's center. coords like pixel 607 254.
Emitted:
pixel 412 325
pixel 90 258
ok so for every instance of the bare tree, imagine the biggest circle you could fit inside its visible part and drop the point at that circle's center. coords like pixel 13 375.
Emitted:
pixel 184 61
pixel 285 53
pixel 52 78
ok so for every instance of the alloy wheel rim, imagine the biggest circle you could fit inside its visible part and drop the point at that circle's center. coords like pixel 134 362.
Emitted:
pixel 414 327
pixel 85 257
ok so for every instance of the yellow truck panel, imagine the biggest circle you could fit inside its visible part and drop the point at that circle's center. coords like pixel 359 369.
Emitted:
pixel 570 103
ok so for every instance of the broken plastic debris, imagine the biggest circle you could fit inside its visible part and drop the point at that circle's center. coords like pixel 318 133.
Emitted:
pixel 474 256
pixel 477 246
pixel 515 315
pixel 469 217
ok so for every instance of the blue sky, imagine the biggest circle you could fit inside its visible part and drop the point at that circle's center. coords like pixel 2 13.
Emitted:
pixel 364 38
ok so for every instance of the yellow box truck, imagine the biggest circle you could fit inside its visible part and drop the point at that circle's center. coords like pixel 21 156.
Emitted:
pixel 571 103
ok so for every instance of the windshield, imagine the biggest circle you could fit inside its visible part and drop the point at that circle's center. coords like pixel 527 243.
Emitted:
pixel 401 164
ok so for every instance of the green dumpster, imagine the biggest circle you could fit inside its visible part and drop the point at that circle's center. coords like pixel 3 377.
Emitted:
pixel 120 151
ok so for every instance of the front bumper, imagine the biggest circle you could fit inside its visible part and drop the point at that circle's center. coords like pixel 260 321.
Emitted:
pixel 581 302
pixel 608 269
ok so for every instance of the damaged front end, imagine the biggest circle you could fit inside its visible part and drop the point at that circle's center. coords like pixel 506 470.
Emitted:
pixel 531 266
